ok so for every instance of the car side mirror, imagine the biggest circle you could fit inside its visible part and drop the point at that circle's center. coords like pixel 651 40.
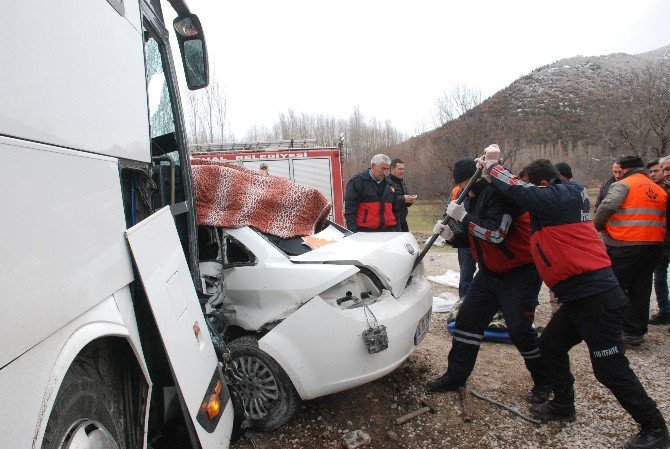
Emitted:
pixel 193 51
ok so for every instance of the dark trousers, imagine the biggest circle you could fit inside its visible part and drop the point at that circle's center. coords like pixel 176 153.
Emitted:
pixel 597 320
pixel 402 225
pixel 468 266
pixel 634 268
pixel 661 282
pixel 515 294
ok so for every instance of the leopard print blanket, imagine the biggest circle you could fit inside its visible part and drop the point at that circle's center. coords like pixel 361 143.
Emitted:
pixel 230 196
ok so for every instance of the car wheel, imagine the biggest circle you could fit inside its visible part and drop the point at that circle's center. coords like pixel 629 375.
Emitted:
pixel 87 412
pixel 265 390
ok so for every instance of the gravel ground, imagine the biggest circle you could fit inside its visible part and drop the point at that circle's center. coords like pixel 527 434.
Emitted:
pixel 499 374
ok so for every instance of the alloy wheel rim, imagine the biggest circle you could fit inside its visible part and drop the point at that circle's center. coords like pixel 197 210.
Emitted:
pixel 88 434
pixel 256 385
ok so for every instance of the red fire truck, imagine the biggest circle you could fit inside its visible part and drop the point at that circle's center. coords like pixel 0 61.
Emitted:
pixel 298 160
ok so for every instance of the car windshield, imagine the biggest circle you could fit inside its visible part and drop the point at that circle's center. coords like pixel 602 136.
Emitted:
pixel 296 246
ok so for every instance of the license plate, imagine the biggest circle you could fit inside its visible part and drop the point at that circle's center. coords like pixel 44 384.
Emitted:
pixel 422 328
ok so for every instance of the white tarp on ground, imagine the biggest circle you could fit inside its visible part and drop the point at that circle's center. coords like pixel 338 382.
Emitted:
pixel 444 302
pixel 449 278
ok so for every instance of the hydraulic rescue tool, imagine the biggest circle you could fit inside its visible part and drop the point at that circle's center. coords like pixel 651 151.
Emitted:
pixel 447 220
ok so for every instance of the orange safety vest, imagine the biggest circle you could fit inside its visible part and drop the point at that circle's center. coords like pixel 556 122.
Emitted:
pixel 641 217
pixel 454 193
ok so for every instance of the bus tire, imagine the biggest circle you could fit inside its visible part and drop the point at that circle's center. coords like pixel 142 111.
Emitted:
pixel 89 407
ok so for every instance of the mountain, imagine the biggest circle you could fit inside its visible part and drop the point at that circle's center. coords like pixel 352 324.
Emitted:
pixel 556 98
pixel 585 110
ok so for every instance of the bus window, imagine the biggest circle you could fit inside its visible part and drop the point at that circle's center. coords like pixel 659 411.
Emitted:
pixel 161 117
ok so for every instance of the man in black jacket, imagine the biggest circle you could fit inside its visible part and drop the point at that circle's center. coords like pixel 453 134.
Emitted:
pixel 370 200
pixel 655 170
pixel 498 234
pixel 616 175
pixel 573 263
pixel 405 200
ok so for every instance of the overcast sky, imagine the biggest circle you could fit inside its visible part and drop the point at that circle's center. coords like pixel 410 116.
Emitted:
pixel 396 59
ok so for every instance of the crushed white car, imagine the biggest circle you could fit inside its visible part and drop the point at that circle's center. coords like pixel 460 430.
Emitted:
pixel 301 323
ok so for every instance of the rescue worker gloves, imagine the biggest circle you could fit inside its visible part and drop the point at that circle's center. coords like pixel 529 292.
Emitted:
pixel 491 157
pixel 456 211
pixel 443 230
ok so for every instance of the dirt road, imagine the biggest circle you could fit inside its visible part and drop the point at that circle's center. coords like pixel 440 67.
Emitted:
pixel 499 374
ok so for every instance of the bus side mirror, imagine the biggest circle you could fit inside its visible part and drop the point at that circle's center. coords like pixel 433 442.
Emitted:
pixel 193 50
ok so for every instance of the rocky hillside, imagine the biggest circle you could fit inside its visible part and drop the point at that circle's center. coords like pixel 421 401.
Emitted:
pixel 554 101
pixel 586 110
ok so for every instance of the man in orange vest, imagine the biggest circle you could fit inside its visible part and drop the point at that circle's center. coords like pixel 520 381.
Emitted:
pixel 632 221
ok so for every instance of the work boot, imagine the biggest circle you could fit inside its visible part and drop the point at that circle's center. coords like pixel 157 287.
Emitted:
pixel 551 411
pixel 660 318
pixel 561 408
pixel 442 384
pixel 633 340
pixel 539 394
pixel 651 436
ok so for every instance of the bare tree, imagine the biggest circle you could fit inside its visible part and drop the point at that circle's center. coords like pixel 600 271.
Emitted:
pixel 207 113
pixel 260 134
pixel 637 117
pixel 454 104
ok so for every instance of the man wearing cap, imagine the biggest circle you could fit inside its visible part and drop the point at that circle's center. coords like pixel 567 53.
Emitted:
pixel 498 235
pixel 564 170
pixel 466 263
pixel 632 221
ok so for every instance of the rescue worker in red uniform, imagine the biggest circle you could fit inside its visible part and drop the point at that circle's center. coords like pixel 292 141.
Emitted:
pixel 632 220
pixel 370 199
pixel 572 261
pixel 498 235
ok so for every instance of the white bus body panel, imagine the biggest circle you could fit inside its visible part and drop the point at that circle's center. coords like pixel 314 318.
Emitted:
pixel 73 76
pixel 167 281
pixel 62 241
pixel 29 385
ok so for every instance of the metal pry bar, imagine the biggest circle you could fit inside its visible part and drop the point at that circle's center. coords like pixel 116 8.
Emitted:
pixel 506 407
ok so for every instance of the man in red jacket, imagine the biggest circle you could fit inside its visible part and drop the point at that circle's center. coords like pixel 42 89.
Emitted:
pixel 370 199
pixel 497 233
pixel 573 263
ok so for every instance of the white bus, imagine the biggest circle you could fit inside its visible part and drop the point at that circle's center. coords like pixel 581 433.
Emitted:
pixel 103 343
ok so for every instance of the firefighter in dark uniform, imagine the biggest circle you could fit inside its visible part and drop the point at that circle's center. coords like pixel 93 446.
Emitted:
pixel 370 200
pixel 498 234
pixel 574 264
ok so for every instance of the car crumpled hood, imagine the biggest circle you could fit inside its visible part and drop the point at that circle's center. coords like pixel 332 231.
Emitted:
pixel 390 255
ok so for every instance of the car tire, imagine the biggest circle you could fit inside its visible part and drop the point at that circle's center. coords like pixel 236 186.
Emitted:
pixel 265 389
pixel 88 409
